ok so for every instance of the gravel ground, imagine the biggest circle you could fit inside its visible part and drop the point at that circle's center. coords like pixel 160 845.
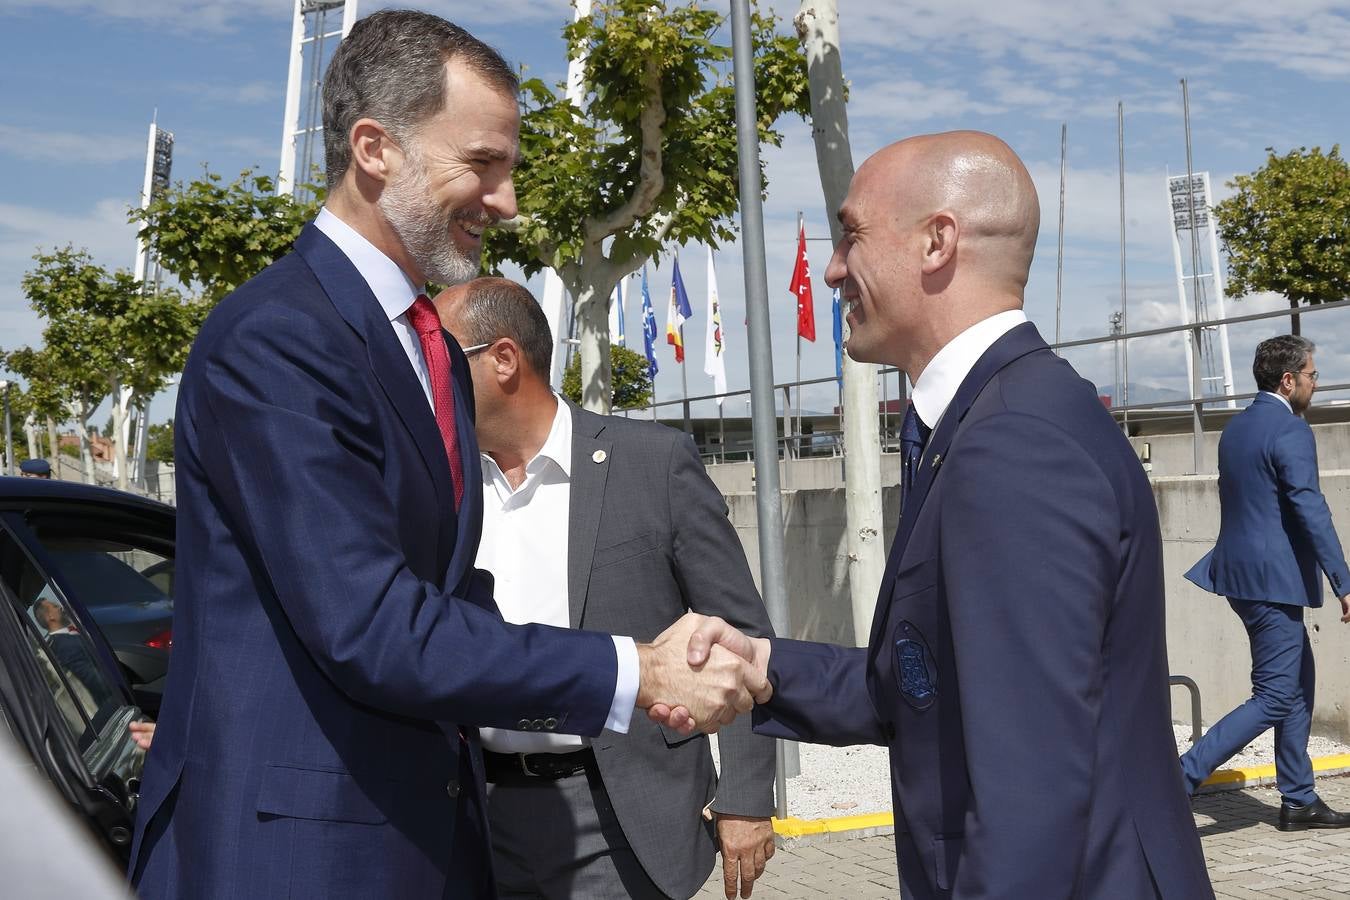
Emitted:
pixel 849 781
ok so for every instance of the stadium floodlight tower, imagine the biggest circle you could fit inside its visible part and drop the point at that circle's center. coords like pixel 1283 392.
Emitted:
pixel 312 43
pixel 1192 212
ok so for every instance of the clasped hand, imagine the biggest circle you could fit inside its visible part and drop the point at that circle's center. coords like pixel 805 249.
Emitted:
pixel 701 673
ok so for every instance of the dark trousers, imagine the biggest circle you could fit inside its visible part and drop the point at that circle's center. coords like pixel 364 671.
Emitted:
pixel 559 839
pixel 1283 682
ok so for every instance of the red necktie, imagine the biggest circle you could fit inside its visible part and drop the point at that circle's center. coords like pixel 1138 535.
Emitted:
pixel 427 324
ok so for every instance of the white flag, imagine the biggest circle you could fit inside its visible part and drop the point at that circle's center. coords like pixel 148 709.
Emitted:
pixel 714 351
pixel 616 323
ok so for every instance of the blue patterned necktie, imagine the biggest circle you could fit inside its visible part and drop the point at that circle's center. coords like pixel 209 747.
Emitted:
pixel 913 435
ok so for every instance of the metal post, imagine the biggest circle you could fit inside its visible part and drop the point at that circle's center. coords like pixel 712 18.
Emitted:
pixel 1197 389
pixel 9 432
pixel 684 381
pixel 1124 319
pixel 1059 265
pixel 768 499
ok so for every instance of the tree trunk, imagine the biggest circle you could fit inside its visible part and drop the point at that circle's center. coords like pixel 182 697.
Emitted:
pixel 53 448
pixel 81 411
pixel 122 397
pixel 1295 325
pixel 592 311
pixel 30 429
pixel 817 23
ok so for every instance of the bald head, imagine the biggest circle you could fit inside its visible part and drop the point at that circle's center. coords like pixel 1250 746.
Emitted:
pixel 488 309
pixel 979 180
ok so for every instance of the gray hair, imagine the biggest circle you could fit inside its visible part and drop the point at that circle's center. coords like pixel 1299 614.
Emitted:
pixel 495 308
pixel 390 68
pixel 1277 355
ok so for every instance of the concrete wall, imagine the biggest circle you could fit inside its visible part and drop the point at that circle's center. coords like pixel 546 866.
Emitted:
pixel 1205 639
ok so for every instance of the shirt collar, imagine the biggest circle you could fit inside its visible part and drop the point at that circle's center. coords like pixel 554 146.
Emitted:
pixel 938 384
pixel 1281 398
pixel 557 446
pixel 391 286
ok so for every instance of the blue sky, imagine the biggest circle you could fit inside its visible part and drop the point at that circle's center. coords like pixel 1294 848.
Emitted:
pixel 81 79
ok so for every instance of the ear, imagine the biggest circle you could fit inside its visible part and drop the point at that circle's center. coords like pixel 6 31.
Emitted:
pixel 1288 381
pixel 940 238
pixel 504 358
pixel 374 153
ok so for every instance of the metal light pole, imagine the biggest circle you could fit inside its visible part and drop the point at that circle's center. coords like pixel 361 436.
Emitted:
pixel 9 431
pixel 768 500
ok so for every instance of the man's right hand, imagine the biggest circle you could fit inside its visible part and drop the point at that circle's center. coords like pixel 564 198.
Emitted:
pixel 713 634
pixel 708 693
pixel 1345 608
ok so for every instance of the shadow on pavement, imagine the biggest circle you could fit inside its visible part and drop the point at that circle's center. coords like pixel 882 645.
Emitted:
pixel 1234 811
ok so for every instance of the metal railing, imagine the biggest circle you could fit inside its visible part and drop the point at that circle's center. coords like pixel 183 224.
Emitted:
pixel 1189 683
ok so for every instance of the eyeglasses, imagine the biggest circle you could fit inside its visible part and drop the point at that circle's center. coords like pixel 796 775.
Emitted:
pixel 479 348
pixel 1312 376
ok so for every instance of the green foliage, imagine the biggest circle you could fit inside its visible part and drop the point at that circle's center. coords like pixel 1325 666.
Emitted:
pixel 101 333
pixel 581 180
pixel 1287 229
pixel 216 236
pixel 159 444
pixel 632 386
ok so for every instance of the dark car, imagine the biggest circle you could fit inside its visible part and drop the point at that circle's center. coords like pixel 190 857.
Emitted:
pixel 85 604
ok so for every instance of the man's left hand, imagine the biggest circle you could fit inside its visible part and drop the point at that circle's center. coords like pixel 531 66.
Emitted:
pixel 747 844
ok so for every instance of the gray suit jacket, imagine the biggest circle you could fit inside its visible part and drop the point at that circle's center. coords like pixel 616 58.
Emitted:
pixel 649 539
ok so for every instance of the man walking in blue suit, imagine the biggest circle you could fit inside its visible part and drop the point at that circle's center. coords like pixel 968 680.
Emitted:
pixel 1275 533
pixel 1017 666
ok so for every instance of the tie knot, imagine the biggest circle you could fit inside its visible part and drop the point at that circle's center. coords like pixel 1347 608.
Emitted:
pixel 422 315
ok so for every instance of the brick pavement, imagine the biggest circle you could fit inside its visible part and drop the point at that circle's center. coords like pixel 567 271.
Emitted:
pixel 1248 858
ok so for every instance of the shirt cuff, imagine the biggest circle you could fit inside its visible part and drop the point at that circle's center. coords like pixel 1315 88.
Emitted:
pixel 625 686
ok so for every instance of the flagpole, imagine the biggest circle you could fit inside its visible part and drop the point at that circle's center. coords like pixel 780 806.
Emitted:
pixel 684 380
pixel 801 229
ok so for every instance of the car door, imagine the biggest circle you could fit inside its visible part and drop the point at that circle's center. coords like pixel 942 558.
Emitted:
pixel 63 700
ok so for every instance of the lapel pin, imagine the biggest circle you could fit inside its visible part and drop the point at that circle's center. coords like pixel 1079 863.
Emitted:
pixel 599 456
pixel 937 460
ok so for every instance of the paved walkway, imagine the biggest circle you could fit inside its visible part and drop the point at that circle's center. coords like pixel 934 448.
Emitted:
pixel 1249 859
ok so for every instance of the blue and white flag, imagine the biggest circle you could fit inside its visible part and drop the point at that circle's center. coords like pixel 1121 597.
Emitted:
pixel 648 327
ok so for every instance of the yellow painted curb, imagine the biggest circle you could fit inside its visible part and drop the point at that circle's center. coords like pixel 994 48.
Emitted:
pixel 1255 774
pixel 794 827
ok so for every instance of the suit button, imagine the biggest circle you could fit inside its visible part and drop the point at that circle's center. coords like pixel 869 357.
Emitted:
pixel 523 725
pixel 537 725
pixel 452 789
pixel 550 723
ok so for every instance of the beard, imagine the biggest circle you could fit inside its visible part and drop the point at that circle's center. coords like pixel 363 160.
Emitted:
pixel 423 227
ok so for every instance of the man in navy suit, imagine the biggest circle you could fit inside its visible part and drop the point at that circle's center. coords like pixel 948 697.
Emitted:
pixel 1275 533
pixel 1017 667
pixel 335 650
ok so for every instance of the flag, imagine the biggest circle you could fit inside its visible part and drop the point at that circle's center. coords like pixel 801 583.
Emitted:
pixel 648 327
pixel 678 314
pixel 801 289
pixel 616 315
pixel 714 362
pixel 838 339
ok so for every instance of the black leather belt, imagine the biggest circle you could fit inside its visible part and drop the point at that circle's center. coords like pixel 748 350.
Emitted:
pixel 545 766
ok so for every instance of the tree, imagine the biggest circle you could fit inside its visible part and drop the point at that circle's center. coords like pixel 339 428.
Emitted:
pixel 649 158
pixel 159 447
pixel 217 236
pixel 632 384
pixel 1287 229
pixel 44 396
pixel 106 336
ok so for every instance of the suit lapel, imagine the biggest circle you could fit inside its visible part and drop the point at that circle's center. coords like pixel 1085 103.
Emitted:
pixel 1015 344
pixel 356 304
pixel 586 501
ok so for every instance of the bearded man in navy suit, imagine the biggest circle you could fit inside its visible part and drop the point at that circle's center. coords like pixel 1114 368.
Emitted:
pixel 335 649
pixel 1017 667
pixel 1276 539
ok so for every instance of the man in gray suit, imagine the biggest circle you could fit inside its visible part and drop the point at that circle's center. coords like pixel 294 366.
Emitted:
pixel 622 513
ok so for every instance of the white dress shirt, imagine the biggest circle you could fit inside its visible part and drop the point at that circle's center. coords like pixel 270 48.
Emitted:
pixel 940 380
pixel 1280 397
pixel 396 292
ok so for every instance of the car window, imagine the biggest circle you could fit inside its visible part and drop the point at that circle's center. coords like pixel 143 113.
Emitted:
pixel 110 573
pixel 84 693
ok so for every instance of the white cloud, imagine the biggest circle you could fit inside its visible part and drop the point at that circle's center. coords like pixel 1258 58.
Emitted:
pixel 69 147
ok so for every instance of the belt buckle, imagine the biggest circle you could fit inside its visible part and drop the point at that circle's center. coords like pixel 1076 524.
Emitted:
pixel 525 766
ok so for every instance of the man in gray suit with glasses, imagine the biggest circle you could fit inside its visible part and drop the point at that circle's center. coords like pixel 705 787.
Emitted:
pixel 622 513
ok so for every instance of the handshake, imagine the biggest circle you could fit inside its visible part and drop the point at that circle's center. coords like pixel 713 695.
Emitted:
pixel 700 673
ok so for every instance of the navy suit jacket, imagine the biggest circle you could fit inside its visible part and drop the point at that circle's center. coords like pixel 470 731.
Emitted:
pixel 1017 666
pixel 333 646
pixel 1275 530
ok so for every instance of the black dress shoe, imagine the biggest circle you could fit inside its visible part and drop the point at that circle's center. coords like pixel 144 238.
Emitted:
pixel 1315 815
